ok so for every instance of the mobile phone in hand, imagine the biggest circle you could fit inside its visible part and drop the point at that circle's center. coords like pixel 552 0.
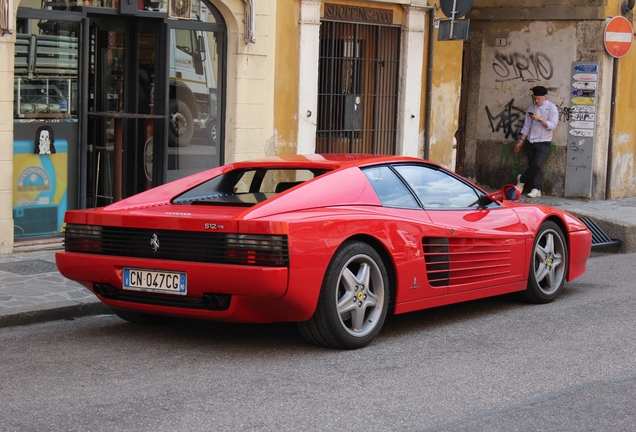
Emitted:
pixel 530 113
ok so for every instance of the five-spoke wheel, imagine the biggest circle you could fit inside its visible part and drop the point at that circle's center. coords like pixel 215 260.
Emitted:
pixel 353 301
pixel 549 265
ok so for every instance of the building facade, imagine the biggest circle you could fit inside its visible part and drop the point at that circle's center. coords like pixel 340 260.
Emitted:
pixel 559 44
pixel 103 99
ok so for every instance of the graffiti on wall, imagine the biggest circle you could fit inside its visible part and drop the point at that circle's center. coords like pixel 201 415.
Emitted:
pixel 564 113
pixel 528 67
pixel 509 121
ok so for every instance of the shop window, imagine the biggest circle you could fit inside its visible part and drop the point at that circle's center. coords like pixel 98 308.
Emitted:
pixel 46 123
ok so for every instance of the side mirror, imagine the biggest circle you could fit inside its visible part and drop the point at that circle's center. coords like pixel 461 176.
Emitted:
pixel 508 192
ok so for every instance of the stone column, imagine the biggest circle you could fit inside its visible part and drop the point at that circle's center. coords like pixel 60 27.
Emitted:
pixel 308 75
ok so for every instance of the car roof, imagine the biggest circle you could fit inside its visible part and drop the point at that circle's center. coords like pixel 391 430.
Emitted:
pixel 330 161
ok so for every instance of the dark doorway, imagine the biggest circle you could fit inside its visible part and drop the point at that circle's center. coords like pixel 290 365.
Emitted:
pixel 358 85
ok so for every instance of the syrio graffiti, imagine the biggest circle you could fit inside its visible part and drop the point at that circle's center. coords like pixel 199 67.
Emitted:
pixel 528 67
pixel 507 121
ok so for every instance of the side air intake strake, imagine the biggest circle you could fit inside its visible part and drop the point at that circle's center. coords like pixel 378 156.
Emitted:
pixel 460 261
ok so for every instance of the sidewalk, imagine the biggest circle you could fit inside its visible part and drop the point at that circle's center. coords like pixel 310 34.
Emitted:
pixel 31 289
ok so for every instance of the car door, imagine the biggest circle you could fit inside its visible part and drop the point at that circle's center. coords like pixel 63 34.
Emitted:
pixel 481 246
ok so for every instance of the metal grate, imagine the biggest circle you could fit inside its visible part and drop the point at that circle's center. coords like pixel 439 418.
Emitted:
pixel 358 86
pixel 599 238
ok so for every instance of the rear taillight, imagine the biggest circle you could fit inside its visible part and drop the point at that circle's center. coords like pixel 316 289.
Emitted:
pixel 83 238
pixel 250 249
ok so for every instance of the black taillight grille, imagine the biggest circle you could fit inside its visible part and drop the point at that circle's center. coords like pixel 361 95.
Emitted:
pixel 245 249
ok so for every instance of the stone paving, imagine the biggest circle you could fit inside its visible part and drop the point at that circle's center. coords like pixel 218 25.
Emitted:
pixel 30 286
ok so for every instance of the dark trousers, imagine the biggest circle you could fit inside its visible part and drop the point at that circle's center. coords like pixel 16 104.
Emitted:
pixel 537 154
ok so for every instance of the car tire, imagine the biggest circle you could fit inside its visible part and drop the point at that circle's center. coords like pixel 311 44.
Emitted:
pixel 141 318
pixel 548 265
pixel 353 302
pixel 181 124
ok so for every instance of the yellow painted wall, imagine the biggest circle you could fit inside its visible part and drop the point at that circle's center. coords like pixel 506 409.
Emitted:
pixel 286 75
pixel 445 95
pixel 623 172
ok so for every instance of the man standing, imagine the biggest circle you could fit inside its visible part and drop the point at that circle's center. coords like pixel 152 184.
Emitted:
pixel 536 135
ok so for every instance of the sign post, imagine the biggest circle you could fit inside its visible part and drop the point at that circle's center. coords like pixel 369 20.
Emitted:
pixel 581 130
pixel 618 36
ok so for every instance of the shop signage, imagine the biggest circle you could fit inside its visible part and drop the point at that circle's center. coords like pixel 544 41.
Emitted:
pixel 358 14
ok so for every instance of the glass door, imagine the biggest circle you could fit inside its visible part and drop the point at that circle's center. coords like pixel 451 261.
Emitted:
pixel 195 79
pixel 121 110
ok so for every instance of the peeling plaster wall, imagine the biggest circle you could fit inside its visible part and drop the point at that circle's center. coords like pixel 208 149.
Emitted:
pixel 445 96
pixel 623 172
pixel 286 95
pixel 617 134
pixel 535 53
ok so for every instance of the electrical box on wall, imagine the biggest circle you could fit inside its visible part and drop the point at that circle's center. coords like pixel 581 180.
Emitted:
pixel 353 112
pixel 129 7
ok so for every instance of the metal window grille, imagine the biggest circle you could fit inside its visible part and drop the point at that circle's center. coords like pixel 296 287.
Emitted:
pixel 357 88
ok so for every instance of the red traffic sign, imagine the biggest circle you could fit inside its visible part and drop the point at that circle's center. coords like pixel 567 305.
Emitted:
pixel 619 36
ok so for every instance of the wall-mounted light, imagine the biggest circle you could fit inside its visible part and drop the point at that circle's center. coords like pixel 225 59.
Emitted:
pixel 627 7
pixel 6 19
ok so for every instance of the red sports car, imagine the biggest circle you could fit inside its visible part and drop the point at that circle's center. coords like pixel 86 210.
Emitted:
pixel 332 242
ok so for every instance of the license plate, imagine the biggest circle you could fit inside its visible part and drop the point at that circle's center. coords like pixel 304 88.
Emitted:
pixel 155 281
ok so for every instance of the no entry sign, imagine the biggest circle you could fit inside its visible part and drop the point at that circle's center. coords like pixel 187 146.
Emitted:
pixel 619 36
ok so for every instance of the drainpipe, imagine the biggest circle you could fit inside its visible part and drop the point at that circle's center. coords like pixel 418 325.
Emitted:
pixel 610 142
pixel 429 84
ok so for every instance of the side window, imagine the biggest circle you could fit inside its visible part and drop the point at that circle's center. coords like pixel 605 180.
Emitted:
pixel 184 42
pixel 389 188
pixel 436 189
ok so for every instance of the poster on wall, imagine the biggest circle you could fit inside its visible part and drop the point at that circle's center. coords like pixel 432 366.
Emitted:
pixel 581 129
pixel 40 184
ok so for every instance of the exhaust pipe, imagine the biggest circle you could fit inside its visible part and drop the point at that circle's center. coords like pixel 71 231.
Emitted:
pixel 215 301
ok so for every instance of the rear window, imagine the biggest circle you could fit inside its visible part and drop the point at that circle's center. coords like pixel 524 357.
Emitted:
pixel 246 187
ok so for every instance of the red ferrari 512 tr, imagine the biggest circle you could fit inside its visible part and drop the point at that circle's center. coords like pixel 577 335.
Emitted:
pixel 332 242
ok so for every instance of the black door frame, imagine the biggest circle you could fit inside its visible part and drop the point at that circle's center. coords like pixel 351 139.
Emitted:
pixel 85 16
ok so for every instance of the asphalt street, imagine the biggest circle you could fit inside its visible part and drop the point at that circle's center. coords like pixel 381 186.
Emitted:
pixel 488 365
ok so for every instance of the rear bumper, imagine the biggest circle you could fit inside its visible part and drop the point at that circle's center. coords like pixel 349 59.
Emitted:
pixel 256 293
